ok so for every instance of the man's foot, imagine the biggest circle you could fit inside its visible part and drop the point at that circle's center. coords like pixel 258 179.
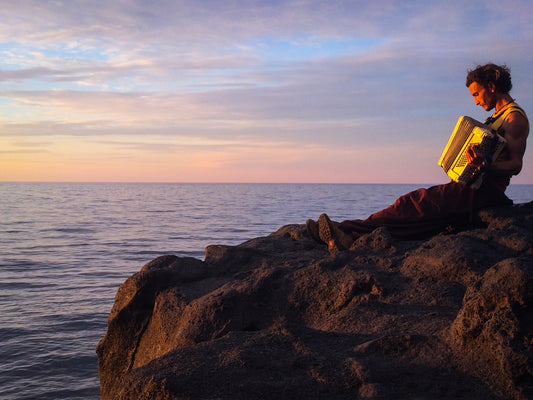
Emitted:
pixel 336 239
pixel 312 230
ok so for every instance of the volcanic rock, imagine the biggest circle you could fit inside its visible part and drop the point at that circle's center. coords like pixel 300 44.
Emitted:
pixel 278 317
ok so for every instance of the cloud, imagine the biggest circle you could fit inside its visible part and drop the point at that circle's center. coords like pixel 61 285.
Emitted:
pixel 342 76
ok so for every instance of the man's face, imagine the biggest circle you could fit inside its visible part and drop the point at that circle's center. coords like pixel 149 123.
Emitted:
pixel 483 96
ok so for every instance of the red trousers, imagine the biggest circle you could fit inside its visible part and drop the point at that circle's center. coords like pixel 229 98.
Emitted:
pixel 425 212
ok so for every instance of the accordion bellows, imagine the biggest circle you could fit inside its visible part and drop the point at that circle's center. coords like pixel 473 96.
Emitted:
pixel 453 159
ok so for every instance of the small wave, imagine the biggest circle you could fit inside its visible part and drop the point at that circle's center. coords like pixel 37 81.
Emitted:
pixel 74 379
pixel 68 230
pixel 25 285
pixel 8 334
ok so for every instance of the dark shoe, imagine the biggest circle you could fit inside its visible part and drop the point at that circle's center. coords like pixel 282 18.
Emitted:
pixel 312 230
pixel 336 239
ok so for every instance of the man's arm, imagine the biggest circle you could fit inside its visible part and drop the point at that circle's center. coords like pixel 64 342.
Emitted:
pixel 516 132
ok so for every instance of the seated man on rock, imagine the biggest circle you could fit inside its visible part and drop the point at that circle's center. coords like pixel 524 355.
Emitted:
pixel 425 212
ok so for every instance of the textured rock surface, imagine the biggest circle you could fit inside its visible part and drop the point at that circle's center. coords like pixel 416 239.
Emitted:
pixel 277 317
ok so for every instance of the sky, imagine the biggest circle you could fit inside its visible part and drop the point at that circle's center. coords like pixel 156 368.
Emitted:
pixel 248 91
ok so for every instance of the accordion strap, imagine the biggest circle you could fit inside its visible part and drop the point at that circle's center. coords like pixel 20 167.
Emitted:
pixel 496 120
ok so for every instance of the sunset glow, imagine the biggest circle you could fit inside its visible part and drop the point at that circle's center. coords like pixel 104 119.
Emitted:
pixel 201 91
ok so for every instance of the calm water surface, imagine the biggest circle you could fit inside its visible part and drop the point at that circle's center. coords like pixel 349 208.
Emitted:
pixel 65 248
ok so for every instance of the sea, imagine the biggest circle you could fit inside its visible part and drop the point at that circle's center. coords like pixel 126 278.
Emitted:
pixel 65 248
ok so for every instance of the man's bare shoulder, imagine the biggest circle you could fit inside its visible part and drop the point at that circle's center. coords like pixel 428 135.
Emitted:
pixel 516 125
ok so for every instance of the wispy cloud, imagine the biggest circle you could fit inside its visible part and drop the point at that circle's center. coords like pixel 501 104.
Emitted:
pixel 350 76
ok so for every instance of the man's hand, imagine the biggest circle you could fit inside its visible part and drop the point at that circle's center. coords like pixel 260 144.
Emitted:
pixel 474 155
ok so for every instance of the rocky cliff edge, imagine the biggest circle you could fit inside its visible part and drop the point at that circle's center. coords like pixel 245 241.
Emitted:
pixel 277 317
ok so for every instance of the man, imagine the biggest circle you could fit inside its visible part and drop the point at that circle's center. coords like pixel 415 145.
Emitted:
pixel 425 212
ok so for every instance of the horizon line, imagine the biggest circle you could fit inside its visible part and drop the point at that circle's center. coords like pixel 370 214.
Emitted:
pixel 245 183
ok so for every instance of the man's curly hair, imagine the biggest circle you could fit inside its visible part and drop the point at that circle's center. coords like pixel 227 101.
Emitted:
pixel 500 75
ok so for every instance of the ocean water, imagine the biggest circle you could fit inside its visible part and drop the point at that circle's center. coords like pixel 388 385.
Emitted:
pixel 65 248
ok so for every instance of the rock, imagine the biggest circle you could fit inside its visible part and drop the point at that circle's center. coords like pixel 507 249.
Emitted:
pixel 278 317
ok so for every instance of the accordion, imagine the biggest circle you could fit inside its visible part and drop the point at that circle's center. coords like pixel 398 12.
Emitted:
pixel 453 159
